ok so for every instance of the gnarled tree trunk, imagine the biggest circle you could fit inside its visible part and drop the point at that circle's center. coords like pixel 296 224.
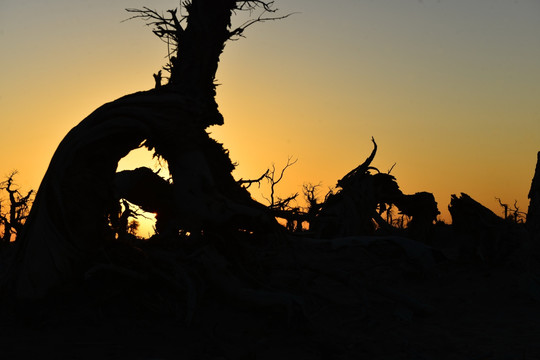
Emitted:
pixel 69 217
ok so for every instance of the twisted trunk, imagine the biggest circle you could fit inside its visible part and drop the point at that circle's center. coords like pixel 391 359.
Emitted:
pixel 199 48
pixel 69 217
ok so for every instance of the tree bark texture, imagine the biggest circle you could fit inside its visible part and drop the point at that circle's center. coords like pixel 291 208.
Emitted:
pixel 199 48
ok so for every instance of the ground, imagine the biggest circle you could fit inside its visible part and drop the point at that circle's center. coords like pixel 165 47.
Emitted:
pixel 454 309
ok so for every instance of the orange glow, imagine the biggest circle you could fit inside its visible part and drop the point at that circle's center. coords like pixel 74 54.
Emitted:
pixel 448 89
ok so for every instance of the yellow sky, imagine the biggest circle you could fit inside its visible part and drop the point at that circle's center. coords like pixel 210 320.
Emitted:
pixel 450 89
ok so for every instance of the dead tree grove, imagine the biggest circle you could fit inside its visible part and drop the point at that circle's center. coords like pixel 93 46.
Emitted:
pixel 215 245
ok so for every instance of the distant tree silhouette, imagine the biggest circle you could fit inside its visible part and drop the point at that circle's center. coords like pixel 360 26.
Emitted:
pixel 133 227
pixel 275 202
pixel 311 192
pixel 157 79
pixel 18 206
pixel 510 214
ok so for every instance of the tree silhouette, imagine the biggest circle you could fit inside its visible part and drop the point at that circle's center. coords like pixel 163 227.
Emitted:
pixel 348 285
pixel 13 219
pixel 68 222
pixel 196 40
pixel 351 282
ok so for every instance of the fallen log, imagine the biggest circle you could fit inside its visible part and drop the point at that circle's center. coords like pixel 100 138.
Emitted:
pixel 482 232
pixel 353 209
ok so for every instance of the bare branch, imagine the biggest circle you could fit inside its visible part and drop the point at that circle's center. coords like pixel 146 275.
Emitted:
pixel 240 30
pixel 267 6
pixel 273 181
pixel 168 30
pixel 283 204
pixel 361 169
pixel 249 182
pixel 311 195
pixel 504 206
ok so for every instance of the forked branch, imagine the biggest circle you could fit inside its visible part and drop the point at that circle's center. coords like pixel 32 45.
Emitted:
pixel 273 179
pixel 257 181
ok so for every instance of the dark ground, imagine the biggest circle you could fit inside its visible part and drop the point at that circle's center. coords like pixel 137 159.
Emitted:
pixel 454 310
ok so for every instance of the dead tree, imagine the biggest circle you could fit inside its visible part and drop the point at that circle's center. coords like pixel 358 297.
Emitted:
pixel 311 197
pixel 504 206
pixel 19 206
pixel 281 207
pixel 196 41
pixel 483 234
pixel 352 210
pixel 275 202
pixel 510 214
pixel 69 219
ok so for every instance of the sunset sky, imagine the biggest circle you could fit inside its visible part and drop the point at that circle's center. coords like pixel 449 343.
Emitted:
pixel 449 89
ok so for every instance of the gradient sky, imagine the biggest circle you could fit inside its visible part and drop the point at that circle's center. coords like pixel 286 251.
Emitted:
pixel 450 89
